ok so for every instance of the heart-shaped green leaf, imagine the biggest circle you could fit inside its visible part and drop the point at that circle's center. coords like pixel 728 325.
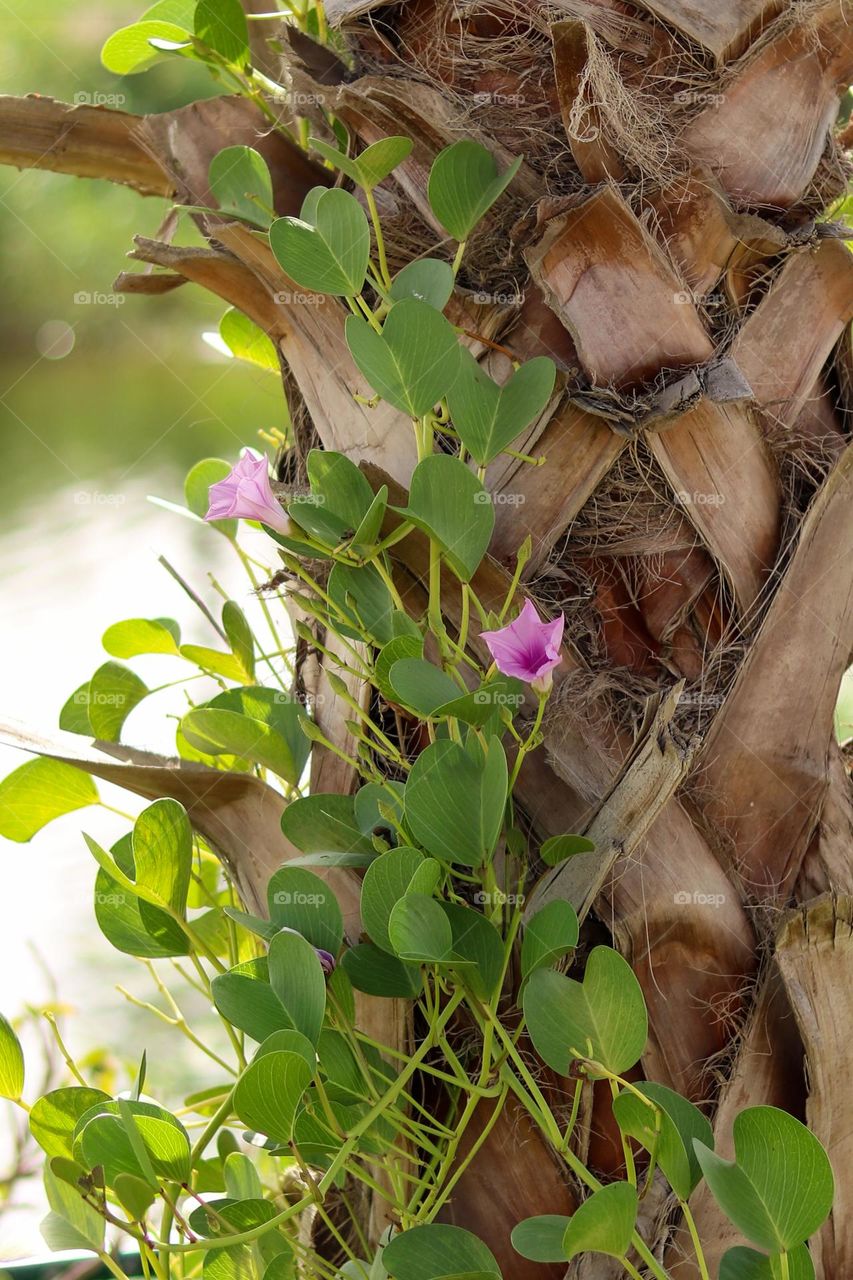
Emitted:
pixel 365 602
pixel 328 253
pixel 488 417
pixel 245 998
pixel 427 280
pixel 302 901
pixel 778 1189
pixel 604 1223
pixel 72 1223
pixel 54 1117
pixel 240 183
pixel 604 1017
pixel 420 931
pixel 464 183
pixel 325 823
pixel 413 362
pixel 373 165
pixel 296 977
pixel 386 881
pixel 741 1263
pixel 477 942
pixel 438 1250
pixel 667 1128
pixel 269 1091
pixel 541 1239
pixel 377 973
pixel 447 501
pixel 421 686
pixel 558 848
pixel 454 801
pixel 548 936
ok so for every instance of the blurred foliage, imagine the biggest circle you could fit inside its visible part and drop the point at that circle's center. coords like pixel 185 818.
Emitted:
pixel 89 387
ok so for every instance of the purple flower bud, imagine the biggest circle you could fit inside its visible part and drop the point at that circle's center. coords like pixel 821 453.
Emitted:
pixel 528 648
pixel 327 960
pixel 246 494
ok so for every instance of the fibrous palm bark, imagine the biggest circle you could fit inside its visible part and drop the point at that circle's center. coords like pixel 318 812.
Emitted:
pixel 665 242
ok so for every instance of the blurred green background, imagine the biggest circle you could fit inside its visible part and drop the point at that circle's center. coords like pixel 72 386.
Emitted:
pixel 87 391
pixel 101 404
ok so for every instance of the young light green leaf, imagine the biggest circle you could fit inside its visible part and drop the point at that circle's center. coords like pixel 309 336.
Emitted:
pixel 779 1188
pixel 241 185
pixel 134 1194
pixel 197 491
pixel 464 183
pixel 162 853
pixel 114 691
pixel 72 1223
pixel 413 362
pixel 11 1062
pixel 222 26
pixel 604 1223
pixel 447 502
pixel 245 340
pixel 141 635
pixel 54 1116
pixel 37 792
pixel 328 254
pixel 216 662
pixel 489 417
pixel 130 49
pixel 604 1017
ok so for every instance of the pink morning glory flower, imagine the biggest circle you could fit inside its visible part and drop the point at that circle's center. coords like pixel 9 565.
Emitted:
pixel 246 494
pixel 528 649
